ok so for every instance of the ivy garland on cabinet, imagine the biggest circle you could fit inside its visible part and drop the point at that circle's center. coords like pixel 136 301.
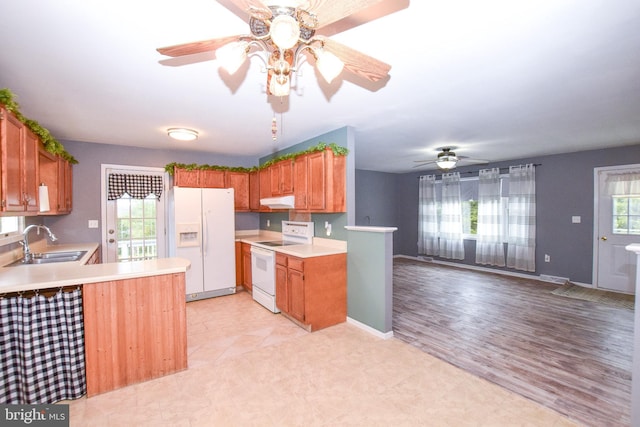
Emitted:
pixel 7 98
pixel 336 149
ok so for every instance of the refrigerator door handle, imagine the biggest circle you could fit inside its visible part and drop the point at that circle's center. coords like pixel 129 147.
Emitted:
pixel 205 234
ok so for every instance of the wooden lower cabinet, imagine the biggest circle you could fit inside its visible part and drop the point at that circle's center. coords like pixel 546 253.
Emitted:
pixel 312 291
pixel 246 267
pixel 135 330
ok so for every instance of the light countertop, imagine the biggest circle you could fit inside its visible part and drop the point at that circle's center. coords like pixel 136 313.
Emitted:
pixel 320 246
pixel 43 276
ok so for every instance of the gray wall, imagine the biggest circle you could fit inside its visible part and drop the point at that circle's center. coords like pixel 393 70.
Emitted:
pixel 73 228
pixel 564 188
pixel 377 200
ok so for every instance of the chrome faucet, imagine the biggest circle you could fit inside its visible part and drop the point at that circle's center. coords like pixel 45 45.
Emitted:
pixel 25 243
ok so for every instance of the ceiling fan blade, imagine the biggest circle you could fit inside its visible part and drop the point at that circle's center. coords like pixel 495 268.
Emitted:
pixel 355 61
pixel 242 8
pixel 469 160
pixel 330 11
pixel 196 47
pixel 423 163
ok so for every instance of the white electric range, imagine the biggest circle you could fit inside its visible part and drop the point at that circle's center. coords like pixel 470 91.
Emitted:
pixel 263 260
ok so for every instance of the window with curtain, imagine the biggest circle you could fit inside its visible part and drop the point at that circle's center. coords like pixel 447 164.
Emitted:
pixel 451 236
pixel 428 216
pixel 489 235
pixel 136 186
pixel 521 241
pixel 624 188
pixel 452 210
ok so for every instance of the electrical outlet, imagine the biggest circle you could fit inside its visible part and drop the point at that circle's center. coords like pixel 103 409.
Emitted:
pixel 547 258
pixel 93 223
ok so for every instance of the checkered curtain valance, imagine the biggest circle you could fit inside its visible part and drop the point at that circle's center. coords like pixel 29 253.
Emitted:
pixel 136 186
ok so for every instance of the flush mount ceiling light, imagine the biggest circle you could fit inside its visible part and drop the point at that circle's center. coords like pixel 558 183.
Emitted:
pixel 182 134
pixel 284 37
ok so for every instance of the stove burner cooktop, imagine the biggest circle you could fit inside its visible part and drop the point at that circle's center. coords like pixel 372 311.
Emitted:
pixel 278 243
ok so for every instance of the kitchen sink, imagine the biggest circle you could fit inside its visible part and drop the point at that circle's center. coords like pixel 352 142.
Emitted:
pixel 50 258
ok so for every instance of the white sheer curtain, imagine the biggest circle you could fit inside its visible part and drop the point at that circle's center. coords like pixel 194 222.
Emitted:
pixel 522 218
pixel 451 240
pixel 427 216
pixel 489 246
pixel 623 184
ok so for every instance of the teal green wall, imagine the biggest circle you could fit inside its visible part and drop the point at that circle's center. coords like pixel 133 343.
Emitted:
pixel 338 136
pixel 370 278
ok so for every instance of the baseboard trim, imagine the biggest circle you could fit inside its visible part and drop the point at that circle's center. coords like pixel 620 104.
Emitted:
pixel 367 328
pixel 477 268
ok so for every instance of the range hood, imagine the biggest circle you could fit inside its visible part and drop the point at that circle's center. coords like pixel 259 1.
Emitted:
pixel 283 202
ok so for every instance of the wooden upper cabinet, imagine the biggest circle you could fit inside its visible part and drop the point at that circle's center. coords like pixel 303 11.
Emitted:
pixel 19 149
pixel 335 182
pixel 239 181
pixel 65 186
pixel 31 171
pixel 320 182
pixel 212 179
pixel 317 181
pixel 57 174
pixel 186 178
pixel 254 190
pixel 264 178
pixel 300 180
pixel 282 178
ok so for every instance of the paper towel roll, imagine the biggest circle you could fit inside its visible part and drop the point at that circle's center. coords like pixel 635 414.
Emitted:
pixel 44 198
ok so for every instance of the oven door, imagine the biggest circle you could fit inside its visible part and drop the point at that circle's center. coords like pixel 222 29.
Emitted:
pixel 263 269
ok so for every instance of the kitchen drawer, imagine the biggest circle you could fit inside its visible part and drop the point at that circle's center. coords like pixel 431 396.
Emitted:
pixel 281 259
pixel 296 264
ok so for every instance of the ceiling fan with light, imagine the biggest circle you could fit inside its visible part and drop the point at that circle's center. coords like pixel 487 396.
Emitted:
pixel 448 159
pixel 283 32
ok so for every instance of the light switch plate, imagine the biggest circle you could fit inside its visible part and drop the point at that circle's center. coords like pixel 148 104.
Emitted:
pixel 576 219
pixel 93 223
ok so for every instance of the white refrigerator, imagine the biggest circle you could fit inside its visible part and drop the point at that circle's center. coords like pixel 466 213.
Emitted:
pixel 203 231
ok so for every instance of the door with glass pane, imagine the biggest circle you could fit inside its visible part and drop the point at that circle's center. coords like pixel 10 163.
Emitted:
pixel 617 225
pixel 133 228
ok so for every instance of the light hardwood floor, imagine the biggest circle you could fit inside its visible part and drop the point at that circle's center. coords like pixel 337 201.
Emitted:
pixel 572 356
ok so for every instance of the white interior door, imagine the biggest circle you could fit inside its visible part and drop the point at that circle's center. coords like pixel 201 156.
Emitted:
pixel 132 229
pixel 617 224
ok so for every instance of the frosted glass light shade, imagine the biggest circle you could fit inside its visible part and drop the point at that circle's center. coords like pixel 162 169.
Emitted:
pixel 329 65
pixel 448 162
pixel 232 55
pixel 284 31
pixel 182 134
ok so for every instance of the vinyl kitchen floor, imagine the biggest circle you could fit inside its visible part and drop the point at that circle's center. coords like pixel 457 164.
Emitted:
pixel 249 367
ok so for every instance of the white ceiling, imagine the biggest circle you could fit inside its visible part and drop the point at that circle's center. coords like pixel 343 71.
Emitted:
pixel 496 79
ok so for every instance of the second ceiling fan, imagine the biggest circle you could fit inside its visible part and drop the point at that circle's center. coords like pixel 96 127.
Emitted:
pixel 284 31
pixel 448 159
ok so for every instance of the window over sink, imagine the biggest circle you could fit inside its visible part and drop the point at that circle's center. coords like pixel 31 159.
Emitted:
pixel 11 229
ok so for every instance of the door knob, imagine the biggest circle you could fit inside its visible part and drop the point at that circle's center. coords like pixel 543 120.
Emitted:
pixel 112 240
pixel 603 238
pixel 111 231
